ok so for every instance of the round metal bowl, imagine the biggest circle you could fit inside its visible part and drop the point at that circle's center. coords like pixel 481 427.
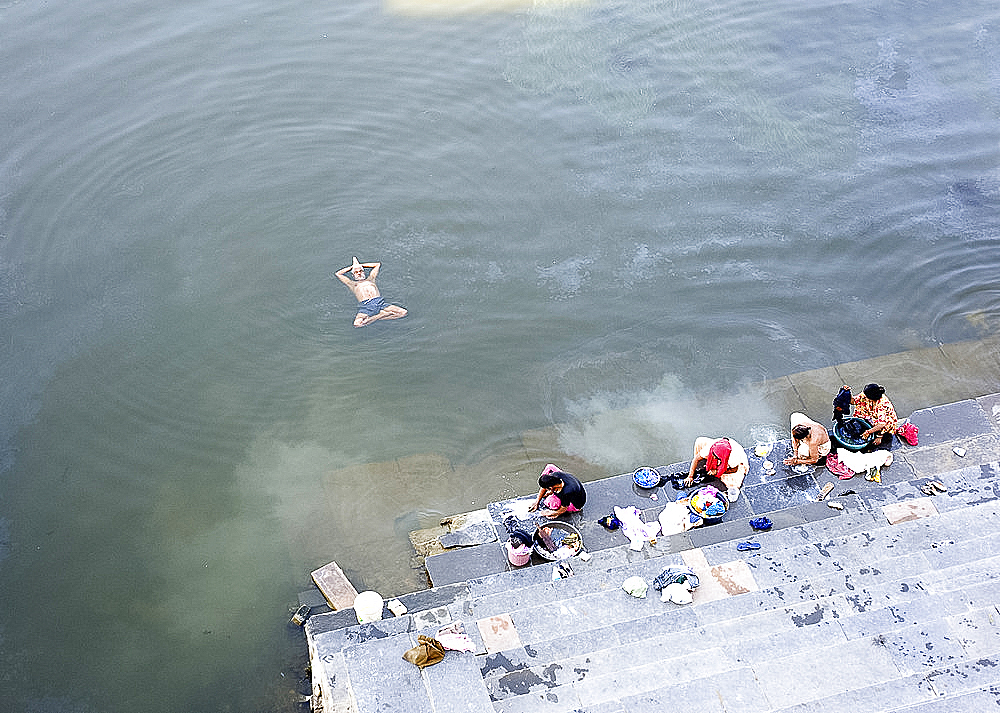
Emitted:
pixel 847 433
pixel 557 532
pixel 646 478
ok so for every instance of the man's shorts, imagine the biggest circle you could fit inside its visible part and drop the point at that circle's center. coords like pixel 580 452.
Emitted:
pixel 373 306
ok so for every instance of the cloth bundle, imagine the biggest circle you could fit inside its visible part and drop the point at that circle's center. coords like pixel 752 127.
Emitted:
pixel 426 653
pixel 634 528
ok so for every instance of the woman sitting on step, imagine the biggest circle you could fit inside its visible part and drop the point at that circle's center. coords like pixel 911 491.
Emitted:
pixel 559 491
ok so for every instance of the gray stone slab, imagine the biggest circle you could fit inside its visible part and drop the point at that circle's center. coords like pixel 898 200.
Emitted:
pixel 965 676
pixel 336 640
pixel 635 677
pixel 878 621
pixel 930 461
pixel 973 702
pixel 382 680
pixel 764 645
pixel 583 613
pixel 959 420
pixel 455 685
pixel 888 695
pixel 477 533
pixel 978 631
pixel 923 647
pixel 454 566
pixel 991 407
pixel 845 665
pixel 737 691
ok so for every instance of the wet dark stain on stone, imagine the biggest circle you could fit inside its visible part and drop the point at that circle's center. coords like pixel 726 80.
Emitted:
pixel 550 671
pixel 822 551
pixel 495 662
pixel 903 586
pixel 813 617
pixel 581 673
pixel 532 652
pixel 518 683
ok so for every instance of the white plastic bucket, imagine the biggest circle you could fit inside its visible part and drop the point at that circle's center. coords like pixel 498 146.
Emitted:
pixel 368 607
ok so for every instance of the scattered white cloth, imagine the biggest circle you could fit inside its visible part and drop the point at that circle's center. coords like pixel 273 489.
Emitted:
pixel 860 462
pixel 678 593
pixel 456 642
pixel 637 531
pixel 674 518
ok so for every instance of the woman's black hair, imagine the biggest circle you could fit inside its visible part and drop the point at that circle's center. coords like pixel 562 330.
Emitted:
pixel 800 431
pixel 873 392
pixel 550 479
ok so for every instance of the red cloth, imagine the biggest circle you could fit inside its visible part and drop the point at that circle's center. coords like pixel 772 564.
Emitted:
pixel 718 457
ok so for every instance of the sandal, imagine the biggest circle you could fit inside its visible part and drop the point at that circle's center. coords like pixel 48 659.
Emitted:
pixel 939 486
pixel 744 546
pixel 761 523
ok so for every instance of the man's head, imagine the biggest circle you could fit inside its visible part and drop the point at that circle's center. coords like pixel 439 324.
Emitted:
pixel 801 431
pixel 358 270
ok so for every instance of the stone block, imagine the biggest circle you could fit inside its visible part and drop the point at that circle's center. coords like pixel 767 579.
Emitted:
pixel 978 632
pixel 897 694
pixel 455 685
pixel 735 690
pixel 629 677
pixel 499 633
pixel 382 680
pixel 923 647
pixel 959 420
pixel 845 665
pixel 460 565
pixel 907 510
pixel 335 586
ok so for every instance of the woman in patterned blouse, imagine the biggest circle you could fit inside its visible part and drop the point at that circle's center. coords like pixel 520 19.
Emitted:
pixel 874 406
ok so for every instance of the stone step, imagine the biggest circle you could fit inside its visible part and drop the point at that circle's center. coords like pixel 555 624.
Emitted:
pixel 903 618
pixel 584 644
pixel 378 678
pixel 945 683
pixel 793 566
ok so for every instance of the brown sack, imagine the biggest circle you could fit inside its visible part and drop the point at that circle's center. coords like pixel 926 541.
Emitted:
pixel 428 652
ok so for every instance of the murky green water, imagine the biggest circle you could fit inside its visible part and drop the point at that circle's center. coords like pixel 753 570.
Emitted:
pixel 607 214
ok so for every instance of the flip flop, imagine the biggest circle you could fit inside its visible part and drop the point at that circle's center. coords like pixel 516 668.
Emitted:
pixel 761 523
pixel 928 489
pixel 744 546
pixel 939 486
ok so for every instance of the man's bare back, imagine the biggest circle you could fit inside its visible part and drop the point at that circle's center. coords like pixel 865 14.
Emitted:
pixel 363 287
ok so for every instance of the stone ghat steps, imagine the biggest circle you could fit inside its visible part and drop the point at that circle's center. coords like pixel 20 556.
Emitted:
pixel 848 612
pixel 758 652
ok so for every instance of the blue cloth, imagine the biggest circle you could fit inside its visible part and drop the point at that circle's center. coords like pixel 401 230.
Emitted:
pixel 373 306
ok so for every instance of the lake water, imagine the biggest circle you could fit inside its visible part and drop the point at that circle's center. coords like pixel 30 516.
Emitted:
pixel 604 213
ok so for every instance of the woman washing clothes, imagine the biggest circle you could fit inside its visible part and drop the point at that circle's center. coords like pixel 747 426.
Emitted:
pixel 559 492
pixel 724 459
pixel 874 406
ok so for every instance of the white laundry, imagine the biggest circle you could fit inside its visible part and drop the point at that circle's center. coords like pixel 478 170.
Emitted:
pixel 860 462
pixel 637 531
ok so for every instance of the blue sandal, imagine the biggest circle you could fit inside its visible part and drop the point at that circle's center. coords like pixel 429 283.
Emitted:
pixel 744 546
pixel 761 523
